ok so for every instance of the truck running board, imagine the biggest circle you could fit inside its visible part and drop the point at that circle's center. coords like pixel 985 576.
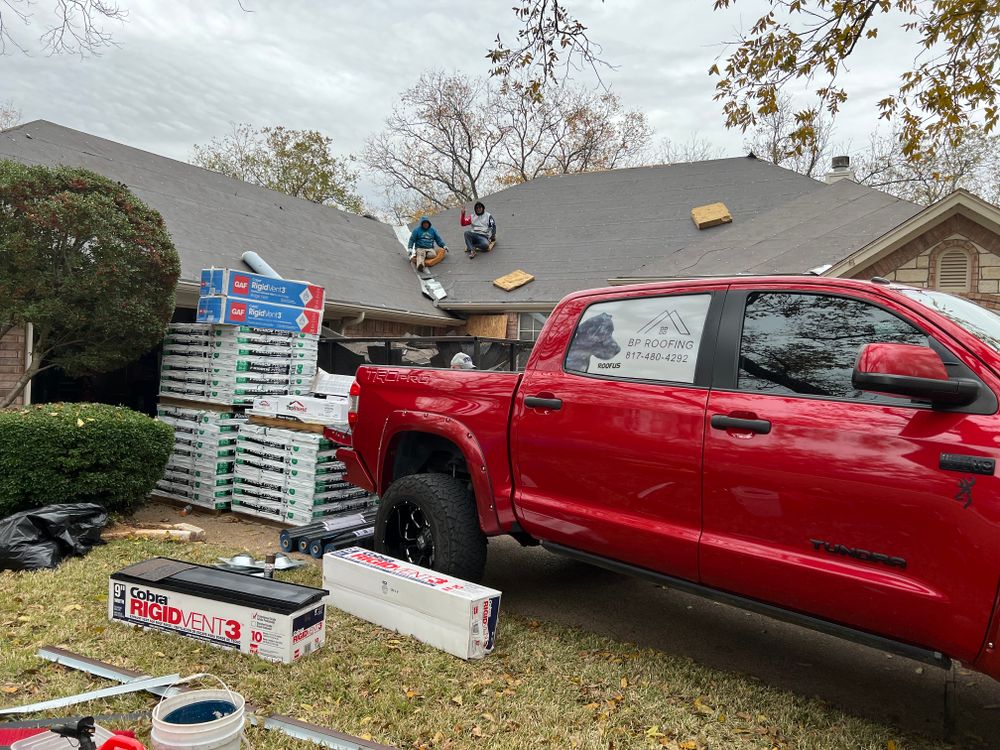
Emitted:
pixel 917 653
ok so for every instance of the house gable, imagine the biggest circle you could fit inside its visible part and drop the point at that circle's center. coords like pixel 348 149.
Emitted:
pixel 953 246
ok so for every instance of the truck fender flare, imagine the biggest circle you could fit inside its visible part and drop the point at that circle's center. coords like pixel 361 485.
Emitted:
pixel 453 430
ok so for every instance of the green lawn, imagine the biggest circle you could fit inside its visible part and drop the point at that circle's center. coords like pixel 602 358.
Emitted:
pixel 545 686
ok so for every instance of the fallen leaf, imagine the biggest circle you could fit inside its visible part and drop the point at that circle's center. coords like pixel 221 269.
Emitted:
pixel 457 700
pixel 701 707
pixel 366 736
pixel 9 689
pixel 411 694
pixel 890 745
pixel 654 731
pixel 689 745
pixel 476 731
pixel 488 716
pixel 593 706
pixel 80 422
pixel 624 682
pixel 160 654
pixel 72 608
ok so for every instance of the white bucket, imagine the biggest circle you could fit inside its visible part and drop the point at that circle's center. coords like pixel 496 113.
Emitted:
pixel 223 733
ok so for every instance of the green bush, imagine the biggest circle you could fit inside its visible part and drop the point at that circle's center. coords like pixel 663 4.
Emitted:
pixel 76 453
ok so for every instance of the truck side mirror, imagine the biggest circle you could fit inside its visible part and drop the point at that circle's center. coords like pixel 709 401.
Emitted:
pixel 911 371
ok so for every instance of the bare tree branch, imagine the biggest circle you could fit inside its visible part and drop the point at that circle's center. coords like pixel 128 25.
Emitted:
pixel 76 27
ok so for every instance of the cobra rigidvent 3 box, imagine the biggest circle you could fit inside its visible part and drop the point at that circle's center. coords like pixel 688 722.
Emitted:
pixel 275 620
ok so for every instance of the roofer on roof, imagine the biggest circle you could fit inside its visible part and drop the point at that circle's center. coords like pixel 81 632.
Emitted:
pixel 483 233
pixel 422 241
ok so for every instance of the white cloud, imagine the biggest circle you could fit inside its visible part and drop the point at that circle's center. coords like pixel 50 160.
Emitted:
pixel 184 70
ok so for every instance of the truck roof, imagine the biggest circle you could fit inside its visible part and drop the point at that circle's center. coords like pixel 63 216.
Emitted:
pixel 801 281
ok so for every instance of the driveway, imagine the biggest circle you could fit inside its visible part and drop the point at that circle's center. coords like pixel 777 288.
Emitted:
pixel 857 679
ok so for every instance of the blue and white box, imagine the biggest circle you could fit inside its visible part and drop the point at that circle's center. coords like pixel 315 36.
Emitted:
pixel 227 282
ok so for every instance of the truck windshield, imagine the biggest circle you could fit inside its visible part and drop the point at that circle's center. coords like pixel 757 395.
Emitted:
pixel 982 323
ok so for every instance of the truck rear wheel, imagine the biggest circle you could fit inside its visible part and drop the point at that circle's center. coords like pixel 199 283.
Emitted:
pixel 430 520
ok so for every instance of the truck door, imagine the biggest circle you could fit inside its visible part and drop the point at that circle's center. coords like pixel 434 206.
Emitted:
pixel 833 501
pixel 607 435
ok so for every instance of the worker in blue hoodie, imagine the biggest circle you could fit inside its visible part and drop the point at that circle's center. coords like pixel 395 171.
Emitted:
pixel 422 241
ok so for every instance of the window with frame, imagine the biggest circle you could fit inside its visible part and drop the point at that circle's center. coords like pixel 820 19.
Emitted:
pixel 807 344
pixel 641 338
pixel 530 324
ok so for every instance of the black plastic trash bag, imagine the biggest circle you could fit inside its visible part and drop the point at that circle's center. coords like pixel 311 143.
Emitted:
pixel 42 537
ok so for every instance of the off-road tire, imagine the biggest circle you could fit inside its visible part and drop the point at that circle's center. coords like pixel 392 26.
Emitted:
pixel 459 545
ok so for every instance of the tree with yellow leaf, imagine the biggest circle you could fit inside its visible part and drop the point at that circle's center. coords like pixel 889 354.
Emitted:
pixel 954 81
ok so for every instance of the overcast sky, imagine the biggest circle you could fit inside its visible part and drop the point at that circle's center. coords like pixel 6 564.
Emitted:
pixel 185 70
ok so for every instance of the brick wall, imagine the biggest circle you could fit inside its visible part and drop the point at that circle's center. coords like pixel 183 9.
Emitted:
pixel 11 361
pixel 385 328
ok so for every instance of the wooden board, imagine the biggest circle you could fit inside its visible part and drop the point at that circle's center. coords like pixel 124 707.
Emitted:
pixel 513 280
pixel 180 503
pixel 711 215
pixel 286 424
pixel 488 326
pixel 200 405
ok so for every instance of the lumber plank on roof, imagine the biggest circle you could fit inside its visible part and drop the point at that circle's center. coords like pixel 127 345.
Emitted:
pixel 513 280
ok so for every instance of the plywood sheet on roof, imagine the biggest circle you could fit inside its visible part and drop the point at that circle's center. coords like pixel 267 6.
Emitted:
pixel 513 280
pixel 711 215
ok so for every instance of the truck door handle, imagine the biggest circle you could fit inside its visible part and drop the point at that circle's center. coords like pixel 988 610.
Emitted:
pixel 542 402
pixel 723 422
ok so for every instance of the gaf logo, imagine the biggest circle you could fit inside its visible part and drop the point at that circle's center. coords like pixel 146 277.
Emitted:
pixel 237 312
pixel 241 285
pixel 296 406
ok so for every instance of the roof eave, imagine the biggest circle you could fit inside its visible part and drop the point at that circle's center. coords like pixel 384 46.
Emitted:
pixel 959 202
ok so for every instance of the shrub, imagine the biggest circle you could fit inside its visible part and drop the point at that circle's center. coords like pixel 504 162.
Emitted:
pixel 66 453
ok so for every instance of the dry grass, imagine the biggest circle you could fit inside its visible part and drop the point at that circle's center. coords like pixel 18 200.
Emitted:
pixel 545 686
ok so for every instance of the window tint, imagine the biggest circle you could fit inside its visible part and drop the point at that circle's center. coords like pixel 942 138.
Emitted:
pixel 648 338
pixel 808 344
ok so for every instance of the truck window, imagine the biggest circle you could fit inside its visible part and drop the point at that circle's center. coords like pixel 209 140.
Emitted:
pixel 642 338
pixel 807 344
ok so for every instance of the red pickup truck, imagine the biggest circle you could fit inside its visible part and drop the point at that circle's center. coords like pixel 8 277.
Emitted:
pixel 820 450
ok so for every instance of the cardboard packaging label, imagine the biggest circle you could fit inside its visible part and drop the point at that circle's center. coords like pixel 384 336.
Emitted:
pixel 331 410
pixel 252 286
pixel 234 620
pixel 445 612
pixel 232 311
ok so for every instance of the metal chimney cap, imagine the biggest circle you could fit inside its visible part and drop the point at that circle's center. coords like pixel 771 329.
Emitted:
pixel 842 162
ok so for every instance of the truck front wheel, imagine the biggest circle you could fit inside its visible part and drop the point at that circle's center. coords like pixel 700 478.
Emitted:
pixel 430 520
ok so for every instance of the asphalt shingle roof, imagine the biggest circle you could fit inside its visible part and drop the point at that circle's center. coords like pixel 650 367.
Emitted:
pixel 213 219
pixel 577 231
pixel 822 227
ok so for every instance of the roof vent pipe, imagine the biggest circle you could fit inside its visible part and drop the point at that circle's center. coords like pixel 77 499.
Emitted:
pixel 259 265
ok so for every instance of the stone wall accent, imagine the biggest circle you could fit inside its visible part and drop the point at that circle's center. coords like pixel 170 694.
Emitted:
pixel 916 262
pixel 12 364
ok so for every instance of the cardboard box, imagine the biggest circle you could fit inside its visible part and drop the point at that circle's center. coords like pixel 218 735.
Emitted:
pixel 332 385
pixel 448 613
pixel 275 620
pixel 232 311
pixel 252 286
pixel 331 410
